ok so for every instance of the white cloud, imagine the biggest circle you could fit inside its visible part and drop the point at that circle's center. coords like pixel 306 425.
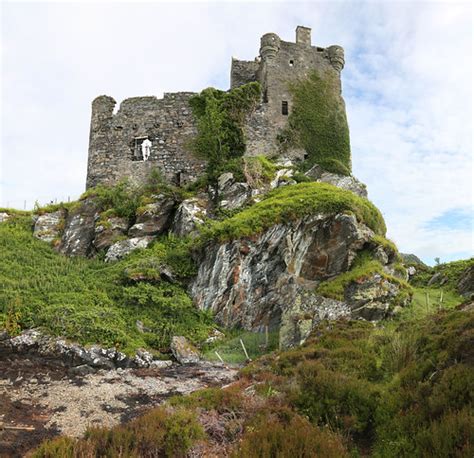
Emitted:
pixel 407 85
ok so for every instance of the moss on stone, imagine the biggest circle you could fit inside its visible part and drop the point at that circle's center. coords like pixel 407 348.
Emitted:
pixel 294 202
pixel 364 266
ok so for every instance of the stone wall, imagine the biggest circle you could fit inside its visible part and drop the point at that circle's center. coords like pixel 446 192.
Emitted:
pixel 283 63
pixel 115 139
pixel 170 125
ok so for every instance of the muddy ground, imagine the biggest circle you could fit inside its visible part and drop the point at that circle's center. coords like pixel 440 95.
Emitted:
pixel 39 399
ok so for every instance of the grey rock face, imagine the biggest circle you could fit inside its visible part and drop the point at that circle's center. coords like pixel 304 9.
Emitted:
pixel 120 249
pixel 190 214
pixel 183 351
pixel 300 317
pixel 466 282
pixel 106 234
pixel 231 194
pixel 371 298
pixel 249 283
pixel 79 230
pixel 49 226
pixel 349 183
pixel 155 219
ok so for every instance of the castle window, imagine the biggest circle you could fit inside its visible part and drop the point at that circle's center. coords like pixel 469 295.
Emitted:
pixel 141 148
pixel 292 63
pixel 265 96
pixel 284 108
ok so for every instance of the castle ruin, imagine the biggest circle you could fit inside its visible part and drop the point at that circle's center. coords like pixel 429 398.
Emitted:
pixel 147 132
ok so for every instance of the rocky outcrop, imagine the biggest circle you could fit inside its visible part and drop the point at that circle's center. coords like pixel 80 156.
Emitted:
pixel 190 215
pixel 80 229
pixel 183 351
pixel 154 218
pixel 120 249
pixel 466 282
pixel 349 182
pixel 79 359
pixel 409 258
pixel 107 232
pixel 250 282
pixel 232 194
pixel 49 226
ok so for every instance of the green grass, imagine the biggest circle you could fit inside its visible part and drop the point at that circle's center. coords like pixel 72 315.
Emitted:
pixel 292 202
pixel 93 302
pixel 450 271
pixel 231 350
pixel 364 267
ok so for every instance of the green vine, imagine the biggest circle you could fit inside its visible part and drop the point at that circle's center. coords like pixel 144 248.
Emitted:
pixel 318 124
pixel 220 116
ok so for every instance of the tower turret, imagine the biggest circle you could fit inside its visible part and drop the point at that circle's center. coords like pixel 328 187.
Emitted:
pixel 269 46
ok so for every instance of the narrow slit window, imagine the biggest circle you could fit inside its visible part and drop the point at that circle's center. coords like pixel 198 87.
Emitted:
pixel 292 63
pixel 265 96
pixel 284 108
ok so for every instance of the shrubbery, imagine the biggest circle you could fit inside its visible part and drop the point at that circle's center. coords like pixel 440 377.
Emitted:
pixel 220 116
pixel 93 302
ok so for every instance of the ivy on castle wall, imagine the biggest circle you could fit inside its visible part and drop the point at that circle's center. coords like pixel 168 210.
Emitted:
pixel 220 117
pixel 318 124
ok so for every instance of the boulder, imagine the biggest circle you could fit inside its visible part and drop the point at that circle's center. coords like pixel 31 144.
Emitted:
pixel 232 194
pixel 49 226
pixel 154 218
pixel 249 282
pixel 120 249
pixel 190 214
pixel 349 182
pixel 183 351
pixel 3 217
pixel 79 230
pixel 106 232
pixel 282 178
pixel 372 298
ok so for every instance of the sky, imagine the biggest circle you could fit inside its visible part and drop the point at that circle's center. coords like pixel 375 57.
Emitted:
pixel 407 84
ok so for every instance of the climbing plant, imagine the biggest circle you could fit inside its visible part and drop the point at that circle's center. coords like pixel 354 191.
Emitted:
pixel 220 117
pixel 318 124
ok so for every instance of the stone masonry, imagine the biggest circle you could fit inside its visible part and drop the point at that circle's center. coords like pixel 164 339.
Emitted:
pixel 116 148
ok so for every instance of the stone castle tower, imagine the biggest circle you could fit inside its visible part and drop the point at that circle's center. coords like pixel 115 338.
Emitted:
pixel 147 132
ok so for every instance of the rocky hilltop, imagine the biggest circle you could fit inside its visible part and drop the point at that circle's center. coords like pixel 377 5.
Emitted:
pixel 269 252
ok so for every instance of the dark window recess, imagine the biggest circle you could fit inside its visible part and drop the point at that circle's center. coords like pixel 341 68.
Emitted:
pixel 265 96
pixel 292 63
pixel 284 108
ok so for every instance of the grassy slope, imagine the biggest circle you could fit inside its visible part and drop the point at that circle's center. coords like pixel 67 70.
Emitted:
pixel 93 302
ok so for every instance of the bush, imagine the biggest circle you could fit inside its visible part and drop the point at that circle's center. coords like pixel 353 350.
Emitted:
pixel 157 433
pixel 220 116
pixel 272 437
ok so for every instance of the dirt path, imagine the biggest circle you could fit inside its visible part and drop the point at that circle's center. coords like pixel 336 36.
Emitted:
pixel 38 399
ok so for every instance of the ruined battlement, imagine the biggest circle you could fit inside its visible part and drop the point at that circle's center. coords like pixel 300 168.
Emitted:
pixel 149 132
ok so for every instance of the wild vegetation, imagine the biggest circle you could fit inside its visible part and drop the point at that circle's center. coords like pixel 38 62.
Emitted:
pixel 318 124
pixel 93 302
pixel 220 116
pixel 353 389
